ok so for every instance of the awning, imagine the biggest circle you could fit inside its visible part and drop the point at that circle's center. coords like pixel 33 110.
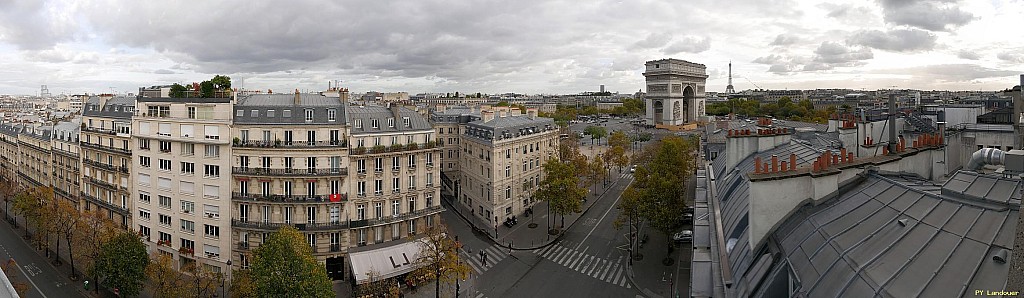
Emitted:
pixel 385 262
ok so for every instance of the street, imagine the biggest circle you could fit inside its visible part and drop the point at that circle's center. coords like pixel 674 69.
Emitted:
pixel 34 269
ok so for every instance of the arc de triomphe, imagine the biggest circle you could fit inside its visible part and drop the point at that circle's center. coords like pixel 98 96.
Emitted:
pixel 675 91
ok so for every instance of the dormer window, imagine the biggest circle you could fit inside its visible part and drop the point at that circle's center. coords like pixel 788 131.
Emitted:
pixel 391 122
pixel 309 115
pixel 332 114
pixel 406 121
pixel 374 123
pixel 359 123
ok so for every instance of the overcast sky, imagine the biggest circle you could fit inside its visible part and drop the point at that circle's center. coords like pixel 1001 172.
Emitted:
pixel 495 46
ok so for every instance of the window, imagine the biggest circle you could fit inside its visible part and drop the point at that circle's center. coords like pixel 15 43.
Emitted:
pixel 412 227
pixel 335 186
pixel 165 202
pixel 286 113
pixel 288 138
pixel 266 136
pixel 188 149
pixel 429 197
pixel 412 205
pixel 166 238
pixel 188 226
pixel 378 164
pixel 144 214
pixel 192 113
pixel 508 210
pixel 270 113
pixel 212 151
pixel 187 130
pixel 430 159
pixel 395 183
pixel 288 188
pixel 361 188
pixel 211 171
pixel 412 161
pixel 311 214
pixel 244 135
pixel 163 183
pixel 211 231
pixel 358 123
pixel 311 164
pixel 311 238
pixel 212 132
pixel 144 161
pixel 430 180
pixel 391 122
pixel 508 171
pixel 360 212
pixel 508 192
pixel 379 234
pixel 288 211
pixel 378 187
pixel 311 138
pixel 265 188
pixel 165 220
pixel 412 182
pixel 311 189
pixel 362 237
pixel 396 161
pixel 378 210
pixel 331 114
pixel 374 123
pixel 309 115
pixel 395 207
pixel 335 164
pixel 405 120
pixel 144 230
pixel 165 165
pixel 254 113
pixel 396 232
pixel 211 192
pixel 188 207
pixel 361 166
pixel 335 214
pixel 188 168
pixel 144 197
pixel 211 211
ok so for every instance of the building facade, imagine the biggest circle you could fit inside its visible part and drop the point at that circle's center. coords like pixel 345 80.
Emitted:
pixel 501 163
pixel 181 170
pixel 66 161
pixel 106 155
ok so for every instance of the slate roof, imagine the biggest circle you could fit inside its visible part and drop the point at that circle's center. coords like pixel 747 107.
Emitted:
pixel 889 234
pixel 262 104
pixel 68 130
pixel 509 127
pixel 456 114
pixel 365 115
pixel 119 107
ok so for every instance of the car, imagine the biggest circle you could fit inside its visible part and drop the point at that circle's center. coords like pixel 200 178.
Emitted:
pixel 683 236
pixel 687 217
pixel 632 169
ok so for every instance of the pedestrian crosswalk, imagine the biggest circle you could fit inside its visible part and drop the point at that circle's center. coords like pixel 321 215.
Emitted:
pixel 626 175
pixel 492 255
pixel 612 271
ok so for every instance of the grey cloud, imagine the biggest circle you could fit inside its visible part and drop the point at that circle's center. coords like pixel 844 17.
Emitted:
pixel 770 59
pixel 34 24
pixel 835 54
pixel 781 68
pixel 952 72
pixel 969 55
pixel 785 39
pixel 845 11
pixel 688 45
pixel 163 71
pixel 653 40
pixel 934 15
pixel 899 40
pixel 1013 57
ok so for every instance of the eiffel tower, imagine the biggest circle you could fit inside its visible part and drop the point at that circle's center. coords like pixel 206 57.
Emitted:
pixel 729 89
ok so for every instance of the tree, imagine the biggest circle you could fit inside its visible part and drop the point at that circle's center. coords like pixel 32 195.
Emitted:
pixel 438 259
pixel 206 89
pixel 503 103
pixel 94 231
pixel 595 132
pixel 203 281
pixel 616 155
pixel 657 195
pixel 8 191
pixel 122 263
pixel 561 188
pixel 164 279
pixel 284 266
pixel 596 170
pixel 377 287
pixel 68 220
pixel 177 90
pixel 221 82
pixel 242 285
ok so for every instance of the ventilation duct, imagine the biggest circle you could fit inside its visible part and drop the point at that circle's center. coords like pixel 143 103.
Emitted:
pixel 1001 256
pixel 987 156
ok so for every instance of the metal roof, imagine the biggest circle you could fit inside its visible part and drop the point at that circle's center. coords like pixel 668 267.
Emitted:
pixel 119 107
pixel 256 109
pixel 366 113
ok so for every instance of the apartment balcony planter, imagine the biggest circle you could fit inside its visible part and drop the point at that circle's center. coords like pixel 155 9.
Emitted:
pixel 393 148
pixel 288 145
pixel 98 130
pixel 246 171
pixel 268 226
pixel 166 243
pixel 285 199
pixel 186 251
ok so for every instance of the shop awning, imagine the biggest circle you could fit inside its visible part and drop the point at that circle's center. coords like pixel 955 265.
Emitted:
pixel 385 262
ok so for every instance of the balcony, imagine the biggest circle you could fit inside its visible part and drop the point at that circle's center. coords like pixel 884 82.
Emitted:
pixel 289 172
pixel 335 247
pixel 243 245
pixel 104 184
pixel 393 219
pixel 106 148
pixel 106 205
pixel 394 148
pixel 301 227
pixel 99 130
pixel 288 145
pixel 237 196
pixel 100 165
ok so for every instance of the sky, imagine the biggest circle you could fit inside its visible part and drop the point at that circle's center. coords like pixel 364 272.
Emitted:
pixel 498 46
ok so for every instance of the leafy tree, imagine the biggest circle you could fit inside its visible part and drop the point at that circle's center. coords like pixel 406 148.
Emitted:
pixel 439 260
pixel 561 188
pixel 164 279
pixel 378 287
pixel 94 230
pixel 203 281
pixel 284 266
pixel 8 191
pixel 242 285
pixel 503 103
pixel 178 91
pixel 596 170
pixel 68 220
pixel 221 82
pixel 122 263
pixel 658 193
pixel 206 89
pixel 618 142
pixel 595 132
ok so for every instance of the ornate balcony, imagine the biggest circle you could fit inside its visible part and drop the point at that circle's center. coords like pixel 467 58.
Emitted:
pixel 247 197
pixel 105 148
pixel 289 172
pixel 98 130
pixel 300 226
pixel 288 145
pixel 106 205
pixel 393 219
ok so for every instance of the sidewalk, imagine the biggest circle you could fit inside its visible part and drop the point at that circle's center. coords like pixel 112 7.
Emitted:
pixel 649 274
pixel 521 236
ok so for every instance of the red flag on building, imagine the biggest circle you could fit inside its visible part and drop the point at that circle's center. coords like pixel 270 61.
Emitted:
pixel 335 197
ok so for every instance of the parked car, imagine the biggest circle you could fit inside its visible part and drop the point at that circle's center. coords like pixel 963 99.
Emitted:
pixel 683 236
pixel 687 217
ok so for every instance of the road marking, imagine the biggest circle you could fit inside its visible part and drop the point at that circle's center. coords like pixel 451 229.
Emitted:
pixel 579 263
pixel 619 197
pixel 583 268
pixel 607 269
pixel 584 252
pixel 30 280
pixel 479 295
pixel 597 268
pixel 576 262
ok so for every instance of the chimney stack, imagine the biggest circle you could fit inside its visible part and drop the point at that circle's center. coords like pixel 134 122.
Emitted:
pixel 298 101
pixel 487 116
pixel 531 112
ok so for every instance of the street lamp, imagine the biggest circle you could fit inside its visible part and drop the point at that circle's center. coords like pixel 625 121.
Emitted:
pixel 223 280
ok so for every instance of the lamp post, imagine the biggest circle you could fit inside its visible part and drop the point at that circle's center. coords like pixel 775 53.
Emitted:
pixel 223 280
